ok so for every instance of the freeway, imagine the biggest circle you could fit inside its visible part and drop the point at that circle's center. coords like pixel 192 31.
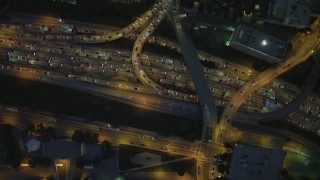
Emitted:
pixel 137 48
pixel 221 80
pixel 307 115
pixel 230 71
pixel 110 36
pixel 131 98
pixel 263 78
pixel 219 89
pixel 293 105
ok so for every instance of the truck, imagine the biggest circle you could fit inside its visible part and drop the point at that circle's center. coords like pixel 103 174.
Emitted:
pixel 270 95
pixel 271 105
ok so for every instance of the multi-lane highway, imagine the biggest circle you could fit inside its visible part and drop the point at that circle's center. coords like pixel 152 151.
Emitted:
pixel 222 80
pixel 46 49
pixel 263 78
pixel 293 105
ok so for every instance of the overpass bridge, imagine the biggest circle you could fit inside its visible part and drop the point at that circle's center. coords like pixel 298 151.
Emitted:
pixel 293 105
pixel 209 111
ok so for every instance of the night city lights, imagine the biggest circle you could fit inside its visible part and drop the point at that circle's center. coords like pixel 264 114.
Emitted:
pixel 159 90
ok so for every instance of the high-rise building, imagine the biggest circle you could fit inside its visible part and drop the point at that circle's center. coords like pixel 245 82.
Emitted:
pixel 291 13
pixel 258 44
pixel 250 162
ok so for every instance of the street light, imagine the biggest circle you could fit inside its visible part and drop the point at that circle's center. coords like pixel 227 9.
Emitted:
pixel 264 42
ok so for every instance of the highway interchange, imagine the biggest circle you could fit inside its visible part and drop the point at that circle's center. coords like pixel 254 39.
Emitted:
pixel 44 49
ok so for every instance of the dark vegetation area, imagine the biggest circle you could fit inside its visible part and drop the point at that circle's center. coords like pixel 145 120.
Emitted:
pixel 220 50
pixel 222 7
pixel 290 127
pixel 163 51
pixel 39 129
pixel 95 11
pixel 40 96
pixel 11 154
pixel 85 137
pixel 165 29
pixel 208 64
pixel 298 74
pixel 317 86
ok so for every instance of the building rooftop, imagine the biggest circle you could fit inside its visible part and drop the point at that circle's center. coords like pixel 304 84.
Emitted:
pixel 61 149
pixel 32 144
pixel 289 12
pixel 91 151
pixel 253 163
pixel 258 44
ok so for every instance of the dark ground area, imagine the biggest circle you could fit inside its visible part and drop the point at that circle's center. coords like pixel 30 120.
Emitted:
pixel 127 151
pixel 95 11
pixel 298 74
pixel 290 127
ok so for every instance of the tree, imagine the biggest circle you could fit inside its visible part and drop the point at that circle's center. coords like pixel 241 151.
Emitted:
pixel 13 153
pixel 224 157
pixel 50 131
pixel 228 145
pixel 285 174
pixel 40 128
pixel 106 149
pixel 221 168
pixel 27 130
pixel 78 136
pixel 91 138
pixel 181 170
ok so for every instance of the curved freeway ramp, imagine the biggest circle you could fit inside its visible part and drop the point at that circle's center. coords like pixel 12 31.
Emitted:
pixel 120 33
pixel 306 49
pixel 293 105
pixel 137 49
